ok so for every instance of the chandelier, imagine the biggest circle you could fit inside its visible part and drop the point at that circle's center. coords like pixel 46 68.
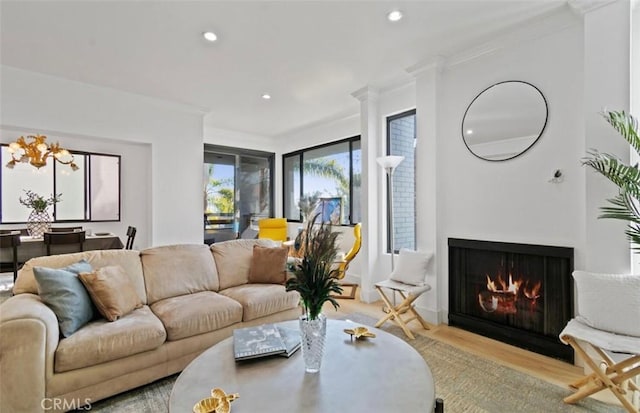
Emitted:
pixel 37 151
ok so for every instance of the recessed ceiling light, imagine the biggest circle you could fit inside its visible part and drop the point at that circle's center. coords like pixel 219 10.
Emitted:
pixel 210 36
pixel 394 15
pixel 469 131
pixel 266 96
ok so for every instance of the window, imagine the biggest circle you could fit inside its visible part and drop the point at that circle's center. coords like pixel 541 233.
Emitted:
pixel 92 193
pixel 237 190
pixel 401 139
pixel 328 172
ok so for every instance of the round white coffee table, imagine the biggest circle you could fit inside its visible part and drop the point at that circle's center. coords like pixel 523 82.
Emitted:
pixel 383 374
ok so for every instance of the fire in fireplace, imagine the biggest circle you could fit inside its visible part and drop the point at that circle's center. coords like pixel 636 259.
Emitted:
pixel 517 293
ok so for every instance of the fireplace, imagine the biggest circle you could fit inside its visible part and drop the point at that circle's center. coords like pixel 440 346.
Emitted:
pixel 516 293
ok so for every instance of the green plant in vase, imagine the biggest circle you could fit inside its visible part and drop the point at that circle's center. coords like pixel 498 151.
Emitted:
pixel 314 279
pixel 626 177
pixel 39 221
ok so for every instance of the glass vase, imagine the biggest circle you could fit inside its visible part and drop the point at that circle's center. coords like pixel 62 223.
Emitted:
pixel 313 333
pixel 38 223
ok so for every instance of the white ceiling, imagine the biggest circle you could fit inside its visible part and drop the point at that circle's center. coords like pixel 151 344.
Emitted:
pixel 309 55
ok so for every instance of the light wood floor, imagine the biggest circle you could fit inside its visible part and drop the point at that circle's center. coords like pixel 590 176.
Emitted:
pixel 546 368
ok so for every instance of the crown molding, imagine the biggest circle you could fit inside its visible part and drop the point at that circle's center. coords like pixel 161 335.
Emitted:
pixel 582 7
pixel 325 121
pixel 546 24
pixel 366 93
pixel 159 102
pixel 433 64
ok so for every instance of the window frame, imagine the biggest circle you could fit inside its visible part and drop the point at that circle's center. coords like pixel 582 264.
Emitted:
pixel 300 154
pixel 391 118
pixel 86 188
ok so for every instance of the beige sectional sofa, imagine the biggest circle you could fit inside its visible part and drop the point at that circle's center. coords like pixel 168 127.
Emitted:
pixel 193 297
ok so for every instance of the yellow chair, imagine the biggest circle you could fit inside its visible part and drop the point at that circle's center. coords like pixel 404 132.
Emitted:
pixel 344 265
pixel 273 228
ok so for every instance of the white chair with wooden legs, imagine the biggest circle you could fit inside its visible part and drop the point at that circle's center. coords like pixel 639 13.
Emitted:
pixel 409 294
pixel 607 327
pixel 408 280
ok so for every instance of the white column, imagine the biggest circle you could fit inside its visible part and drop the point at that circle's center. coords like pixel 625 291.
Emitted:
pixel 370 176
pixel 427 93
pixel 607 53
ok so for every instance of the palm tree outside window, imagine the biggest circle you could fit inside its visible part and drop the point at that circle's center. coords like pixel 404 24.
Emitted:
pixel 330 172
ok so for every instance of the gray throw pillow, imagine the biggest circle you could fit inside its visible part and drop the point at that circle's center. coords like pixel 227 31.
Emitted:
pixel 64 293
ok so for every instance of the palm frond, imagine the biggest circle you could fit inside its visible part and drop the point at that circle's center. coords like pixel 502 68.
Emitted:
pixel 626 125
pixel 624 206
pixel 626 177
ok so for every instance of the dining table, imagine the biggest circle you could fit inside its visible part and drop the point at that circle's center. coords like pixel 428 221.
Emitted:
pixel 31 247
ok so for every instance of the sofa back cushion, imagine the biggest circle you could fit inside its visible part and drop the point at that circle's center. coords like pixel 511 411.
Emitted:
pixel 174 270
pixel 129 260
pixel 233 259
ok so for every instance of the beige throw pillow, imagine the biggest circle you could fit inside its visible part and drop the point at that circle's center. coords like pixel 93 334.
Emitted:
pixel 112 291
pixel 268 265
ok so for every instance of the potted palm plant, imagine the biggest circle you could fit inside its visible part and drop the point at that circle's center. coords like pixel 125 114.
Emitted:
pixel 626 177
pixel 314 278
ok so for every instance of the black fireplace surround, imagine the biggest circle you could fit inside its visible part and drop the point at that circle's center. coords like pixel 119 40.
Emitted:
pixel 520 294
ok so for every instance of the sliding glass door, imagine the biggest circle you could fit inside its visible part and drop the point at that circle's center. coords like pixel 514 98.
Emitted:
pixel 237 191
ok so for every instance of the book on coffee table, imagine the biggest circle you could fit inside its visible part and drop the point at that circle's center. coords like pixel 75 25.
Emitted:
pixel 264 340
pixel 292 341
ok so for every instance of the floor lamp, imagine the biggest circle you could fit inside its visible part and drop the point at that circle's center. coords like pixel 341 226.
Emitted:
pixel 389 164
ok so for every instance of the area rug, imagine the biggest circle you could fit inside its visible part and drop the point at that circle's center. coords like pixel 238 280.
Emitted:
pixel 467 384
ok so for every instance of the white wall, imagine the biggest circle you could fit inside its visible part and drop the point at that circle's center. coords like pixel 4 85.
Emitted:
pixel 91 114
pixel 513 201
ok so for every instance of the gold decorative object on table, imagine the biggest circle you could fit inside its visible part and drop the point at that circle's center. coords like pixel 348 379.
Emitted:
pixel 37 151
pixel 219 402
pixel 359 332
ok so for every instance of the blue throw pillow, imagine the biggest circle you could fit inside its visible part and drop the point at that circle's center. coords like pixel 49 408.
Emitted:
pixel 64 293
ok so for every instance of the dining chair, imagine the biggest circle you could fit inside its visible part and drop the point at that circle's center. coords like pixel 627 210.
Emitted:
pixel 65 229
pixel 11 240
pixel 22 231
pixel 131 235
pixel 64 238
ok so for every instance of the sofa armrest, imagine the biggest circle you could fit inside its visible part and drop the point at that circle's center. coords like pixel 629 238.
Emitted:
pixel 29 336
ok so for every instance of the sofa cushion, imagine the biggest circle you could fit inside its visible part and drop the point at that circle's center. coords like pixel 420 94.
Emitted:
pixel 101 341
pixel 112 291
pixel 61 290
pixel 198 313
pixel 174 270
pixel 127 259
pixel 259 300
pixel 233 259
pixel 268 265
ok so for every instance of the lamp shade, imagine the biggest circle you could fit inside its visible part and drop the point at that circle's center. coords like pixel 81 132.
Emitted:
pixel 390 161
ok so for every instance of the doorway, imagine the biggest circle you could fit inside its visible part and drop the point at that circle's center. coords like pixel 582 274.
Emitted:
pixel 237 191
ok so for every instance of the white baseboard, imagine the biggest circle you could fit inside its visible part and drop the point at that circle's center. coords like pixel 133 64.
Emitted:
pixel 431 316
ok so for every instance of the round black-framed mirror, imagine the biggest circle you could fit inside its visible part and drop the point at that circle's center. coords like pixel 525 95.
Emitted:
pixel 504 120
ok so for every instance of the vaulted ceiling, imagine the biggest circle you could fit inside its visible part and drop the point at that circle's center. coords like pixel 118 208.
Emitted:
pixel 308 55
